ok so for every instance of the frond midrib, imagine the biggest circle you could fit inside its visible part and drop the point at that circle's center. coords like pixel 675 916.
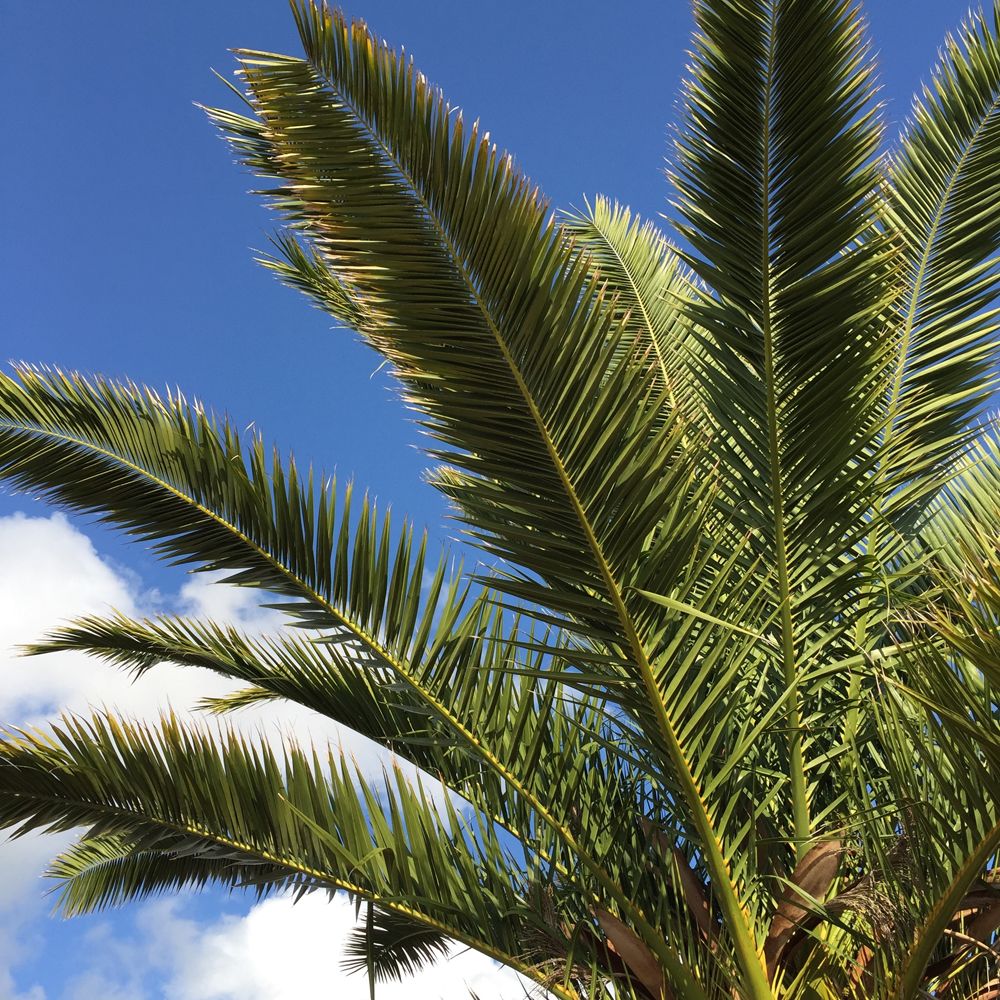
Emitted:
pixel 800 803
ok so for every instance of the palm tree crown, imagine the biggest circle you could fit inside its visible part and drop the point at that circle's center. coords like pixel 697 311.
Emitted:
pixel 719 718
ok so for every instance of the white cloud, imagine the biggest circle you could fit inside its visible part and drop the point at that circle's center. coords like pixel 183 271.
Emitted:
pixel 292 951
pixel 279 950
pixel 23 908
pixel 13 949
pixel 50 572
pixel 201 595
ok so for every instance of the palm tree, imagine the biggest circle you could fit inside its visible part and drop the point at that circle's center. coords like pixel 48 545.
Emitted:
pixel 718 712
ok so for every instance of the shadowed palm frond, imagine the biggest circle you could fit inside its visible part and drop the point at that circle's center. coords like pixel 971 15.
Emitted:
pixel 101 872
pixel 545 768
pixel 391 947
pixel 167 472
pixel 942 734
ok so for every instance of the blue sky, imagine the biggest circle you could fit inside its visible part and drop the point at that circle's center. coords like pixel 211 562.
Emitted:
pixel 127 229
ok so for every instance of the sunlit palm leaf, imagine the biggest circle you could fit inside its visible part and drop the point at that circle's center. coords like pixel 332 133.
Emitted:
pixel 161 784
pixel 945 192
pixel 642 276
pixel 776 182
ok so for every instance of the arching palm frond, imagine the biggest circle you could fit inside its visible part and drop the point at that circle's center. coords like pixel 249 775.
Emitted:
pixel 642 277
pixel 503 747
pixel 165 472
pixel 160 785
pixel 945 187
pixel 942 735
pixel 99 872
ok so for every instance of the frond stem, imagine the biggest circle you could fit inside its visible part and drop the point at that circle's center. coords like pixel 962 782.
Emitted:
pixel 800 800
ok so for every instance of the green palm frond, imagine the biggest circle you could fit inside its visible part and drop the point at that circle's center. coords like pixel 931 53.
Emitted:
pixel 944 741
pixel 199 478
pixel 102 872
pixel 333 679
pixel 167 472
pixel 776 182
pixel 319 821
pixel 518 750
pixel 945 186
pixel 955 527
pixel 642 276
pixel 410 223
pixel 960 518
pixel 934 795
pixel 776 179
pixel 414 711
pixel 304 270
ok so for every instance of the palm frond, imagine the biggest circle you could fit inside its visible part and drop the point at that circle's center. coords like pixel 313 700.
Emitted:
pixel 159 786
pixel 942 736
pixel 334 679
pixel 776 183
pixel 103 872
pixel 945 186
pixel 719 717
pixel 421 712
pixel 303 269
pixel 399 200
pixel 167 472
pixel 161 470
pixel 391 947
pixel 952 531
pixel 958 520
pixel 641 276
pixel 542 766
